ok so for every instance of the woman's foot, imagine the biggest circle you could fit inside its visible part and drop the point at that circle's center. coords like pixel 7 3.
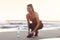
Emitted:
pixel 36 33
pixel 30 35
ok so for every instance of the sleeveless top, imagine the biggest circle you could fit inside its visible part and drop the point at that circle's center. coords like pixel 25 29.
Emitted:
pixel 34 23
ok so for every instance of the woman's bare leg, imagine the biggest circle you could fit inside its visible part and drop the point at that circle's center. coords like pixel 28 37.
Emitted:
pixel 36 33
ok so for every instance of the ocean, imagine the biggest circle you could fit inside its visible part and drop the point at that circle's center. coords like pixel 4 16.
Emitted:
pixel 23 26
pixel 46 25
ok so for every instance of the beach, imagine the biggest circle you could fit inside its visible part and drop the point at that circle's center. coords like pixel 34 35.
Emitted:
pixel 43 34
pixel 50 31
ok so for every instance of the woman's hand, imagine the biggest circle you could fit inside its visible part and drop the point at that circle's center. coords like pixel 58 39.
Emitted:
pixel 28 32
pixel 32 32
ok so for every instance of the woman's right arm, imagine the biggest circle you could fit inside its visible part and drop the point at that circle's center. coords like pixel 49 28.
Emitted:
pixel 27 17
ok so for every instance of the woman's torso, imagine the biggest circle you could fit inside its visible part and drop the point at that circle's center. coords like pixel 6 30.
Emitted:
pixel 34 21
pixel 32 18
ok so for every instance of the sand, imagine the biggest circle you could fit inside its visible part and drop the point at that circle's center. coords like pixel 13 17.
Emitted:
pixel 43 35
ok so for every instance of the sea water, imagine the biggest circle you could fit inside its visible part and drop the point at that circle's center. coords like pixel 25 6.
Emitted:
pixel 45 24
pixel 24 26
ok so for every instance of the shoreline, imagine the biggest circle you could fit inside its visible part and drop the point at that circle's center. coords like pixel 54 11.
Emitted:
pixel 16 29
pixel 11 34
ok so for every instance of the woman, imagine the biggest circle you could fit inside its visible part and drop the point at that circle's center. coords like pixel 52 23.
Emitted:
pixel 33 21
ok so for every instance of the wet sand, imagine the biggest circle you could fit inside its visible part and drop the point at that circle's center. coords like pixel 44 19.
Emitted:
pixel 43 35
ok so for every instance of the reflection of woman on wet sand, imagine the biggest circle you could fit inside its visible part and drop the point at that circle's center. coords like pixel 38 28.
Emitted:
pixel 35 24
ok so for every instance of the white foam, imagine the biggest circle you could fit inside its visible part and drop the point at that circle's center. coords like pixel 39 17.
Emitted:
pixel 16 29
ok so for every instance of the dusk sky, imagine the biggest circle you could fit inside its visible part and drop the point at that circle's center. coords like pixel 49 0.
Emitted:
pixel 48 10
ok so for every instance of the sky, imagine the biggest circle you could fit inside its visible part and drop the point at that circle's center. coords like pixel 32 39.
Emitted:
pixel 48 10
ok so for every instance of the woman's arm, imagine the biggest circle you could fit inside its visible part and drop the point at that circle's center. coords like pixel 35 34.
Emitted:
pixel 38 22
pixel 27 17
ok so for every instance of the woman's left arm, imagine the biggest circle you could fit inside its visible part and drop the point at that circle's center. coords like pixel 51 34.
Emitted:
pixel 38 22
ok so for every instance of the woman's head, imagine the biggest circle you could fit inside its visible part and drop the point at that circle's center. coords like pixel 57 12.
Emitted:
pixel 30 8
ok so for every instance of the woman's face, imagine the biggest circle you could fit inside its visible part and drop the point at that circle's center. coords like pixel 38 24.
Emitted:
pixel 29 9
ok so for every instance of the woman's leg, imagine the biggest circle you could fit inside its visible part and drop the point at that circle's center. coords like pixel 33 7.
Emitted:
pixel 36 33
pixel 40 27
pixel 30 35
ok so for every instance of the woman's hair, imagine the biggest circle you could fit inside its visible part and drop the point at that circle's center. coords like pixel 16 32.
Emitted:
pixel 30 5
